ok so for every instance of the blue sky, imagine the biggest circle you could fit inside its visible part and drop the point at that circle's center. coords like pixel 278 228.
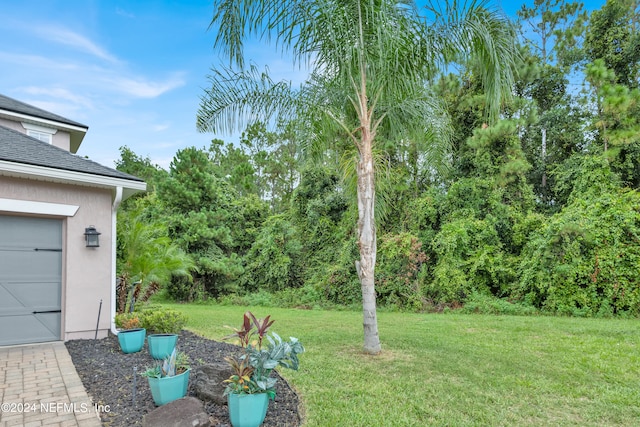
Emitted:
pixel 132 71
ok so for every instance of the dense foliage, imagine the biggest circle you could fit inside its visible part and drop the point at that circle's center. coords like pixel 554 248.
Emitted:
pixel 539 211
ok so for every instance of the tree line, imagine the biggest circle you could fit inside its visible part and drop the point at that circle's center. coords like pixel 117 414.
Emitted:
pixel 536 205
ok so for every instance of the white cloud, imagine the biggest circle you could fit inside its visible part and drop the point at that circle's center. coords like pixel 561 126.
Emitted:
pixel 59 94
pixel 143 88
pixel 160 127
pixel 35 61
pixel 124 13
pixel 74 40
pixel 63 109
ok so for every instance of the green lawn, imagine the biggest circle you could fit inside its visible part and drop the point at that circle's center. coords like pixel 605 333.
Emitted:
pixel 454 370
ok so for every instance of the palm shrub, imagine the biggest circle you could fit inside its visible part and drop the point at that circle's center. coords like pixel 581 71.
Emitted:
pixel 146 258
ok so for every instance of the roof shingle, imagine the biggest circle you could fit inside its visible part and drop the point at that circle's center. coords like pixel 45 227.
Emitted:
pixel 15 106
pixel 19 148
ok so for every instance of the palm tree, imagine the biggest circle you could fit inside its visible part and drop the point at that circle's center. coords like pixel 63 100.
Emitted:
pixel 371 63
pixel 147 259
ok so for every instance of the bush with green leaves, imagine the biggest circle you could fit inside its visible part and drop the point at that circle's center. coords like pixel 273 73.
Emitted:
pixel 400 262
pixel 186 289
pixel 129 320
pixel 274 261
pixel 489 304
pixel 584 260
pixel 338 282
pixel 157 320
pixel 469 258
pixel 485 220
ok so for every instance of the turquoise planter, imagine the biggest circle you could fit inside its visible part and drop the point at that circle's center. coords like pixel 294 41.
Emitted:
pixel 161 345
pixel 168 389
pixel 132 340
pixel 247 410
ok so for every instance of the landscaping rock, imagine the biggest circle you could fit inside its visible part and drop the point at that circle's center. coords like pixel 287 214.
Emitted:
pixel 185 412
pixel 209 382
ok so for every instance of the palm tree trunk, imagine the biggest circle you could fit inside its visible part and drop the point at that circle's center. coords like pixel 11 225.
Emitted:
pixel 367 242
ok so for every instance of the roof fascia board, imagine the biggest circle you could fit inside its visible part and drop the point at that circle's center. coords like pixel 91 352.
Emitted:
pixel 40 172
pixel 54 123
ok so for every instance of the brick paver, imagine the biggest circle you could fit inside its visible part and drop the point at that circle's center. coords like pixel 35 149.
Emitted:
pixel 40 386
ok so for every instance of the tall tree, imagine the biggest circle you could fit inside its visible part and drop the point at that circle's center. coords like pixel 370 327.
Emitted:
pixel 200 215
pixel 550 28
pixel 371 63
pixel 613 35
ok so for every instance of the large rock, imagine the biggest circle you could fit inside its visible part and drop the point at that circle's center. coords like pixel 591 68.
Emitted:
pixel 209 382
pixel 185 412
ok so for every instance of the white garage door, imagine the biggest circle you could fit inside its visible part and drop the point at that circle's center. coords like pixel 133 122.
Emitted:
pixel 30 279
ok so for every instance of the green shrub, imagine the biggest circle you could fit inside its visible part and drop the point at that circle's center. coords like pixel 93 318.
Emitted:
pixel 274 262
pixel 487 304
pixel 162 320
pixel 470 257
pixel 400 260
pixel 261 299
pixel 185 289
pixel 584 261
pixel 127 320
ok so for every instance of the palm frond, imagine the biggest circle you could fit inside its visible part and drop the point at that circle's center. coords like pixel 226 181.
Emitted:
pixel 475 30
pixel 239 98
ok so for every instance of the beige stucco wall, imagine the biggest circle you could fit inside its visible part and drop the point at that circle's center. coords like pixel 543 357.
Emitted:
pixel 60 139
pixel 12 125
pixel 86 272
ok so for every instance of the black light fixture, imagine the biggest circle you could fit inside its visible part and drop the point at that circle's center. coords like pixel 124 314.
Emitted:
pixel 91 237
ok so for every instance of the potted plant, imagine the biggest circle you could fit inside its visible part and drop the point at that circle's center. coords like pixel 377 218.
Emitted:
pixel 251 386
pixel 164 325
pixel 130 334
pixel 169 381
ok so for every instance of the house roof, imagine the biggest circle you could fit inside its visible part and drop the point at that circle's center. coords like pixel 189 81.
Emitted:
pixel 14 109
pixel 19 148
pixel 16 106
pixel 26 157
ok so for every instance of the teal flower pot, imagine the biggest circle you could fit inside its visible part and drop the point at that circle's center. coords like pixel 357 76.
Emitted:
pixel 168 389
pixel 131 340
pixel 161 345
pixel 247 410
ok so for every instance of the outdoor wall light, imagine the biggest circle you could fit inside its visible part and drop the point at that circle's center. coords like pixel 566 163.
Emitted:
pixel 91 237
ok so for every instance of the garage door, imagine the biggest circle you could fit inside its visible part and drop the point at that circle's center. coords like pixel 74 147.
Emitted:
pixel 30 279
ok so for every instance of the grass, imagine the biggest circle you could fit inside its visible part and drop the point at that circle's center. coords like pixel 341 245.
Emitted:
pixel 454 369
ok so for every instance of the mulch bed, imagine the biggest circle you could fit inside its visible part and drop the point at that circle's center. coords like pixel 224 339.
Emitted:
pixel 112 378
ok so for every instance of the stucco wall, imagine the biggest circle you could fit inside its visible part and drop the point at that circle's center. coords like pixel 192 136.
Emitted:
pixel 86 272
pixel 60 139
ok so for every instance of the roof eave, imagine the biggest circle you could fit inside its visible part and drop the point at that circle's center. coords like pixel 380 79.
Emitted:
pixel 41 173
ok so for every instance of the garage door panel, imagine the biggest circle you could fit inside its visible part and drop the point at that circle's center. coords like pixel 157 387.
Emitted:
pixel 29 328
pixel 36 295
pixel 8 302
pixel 30 279
pixel 21 232
pixel 30 265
